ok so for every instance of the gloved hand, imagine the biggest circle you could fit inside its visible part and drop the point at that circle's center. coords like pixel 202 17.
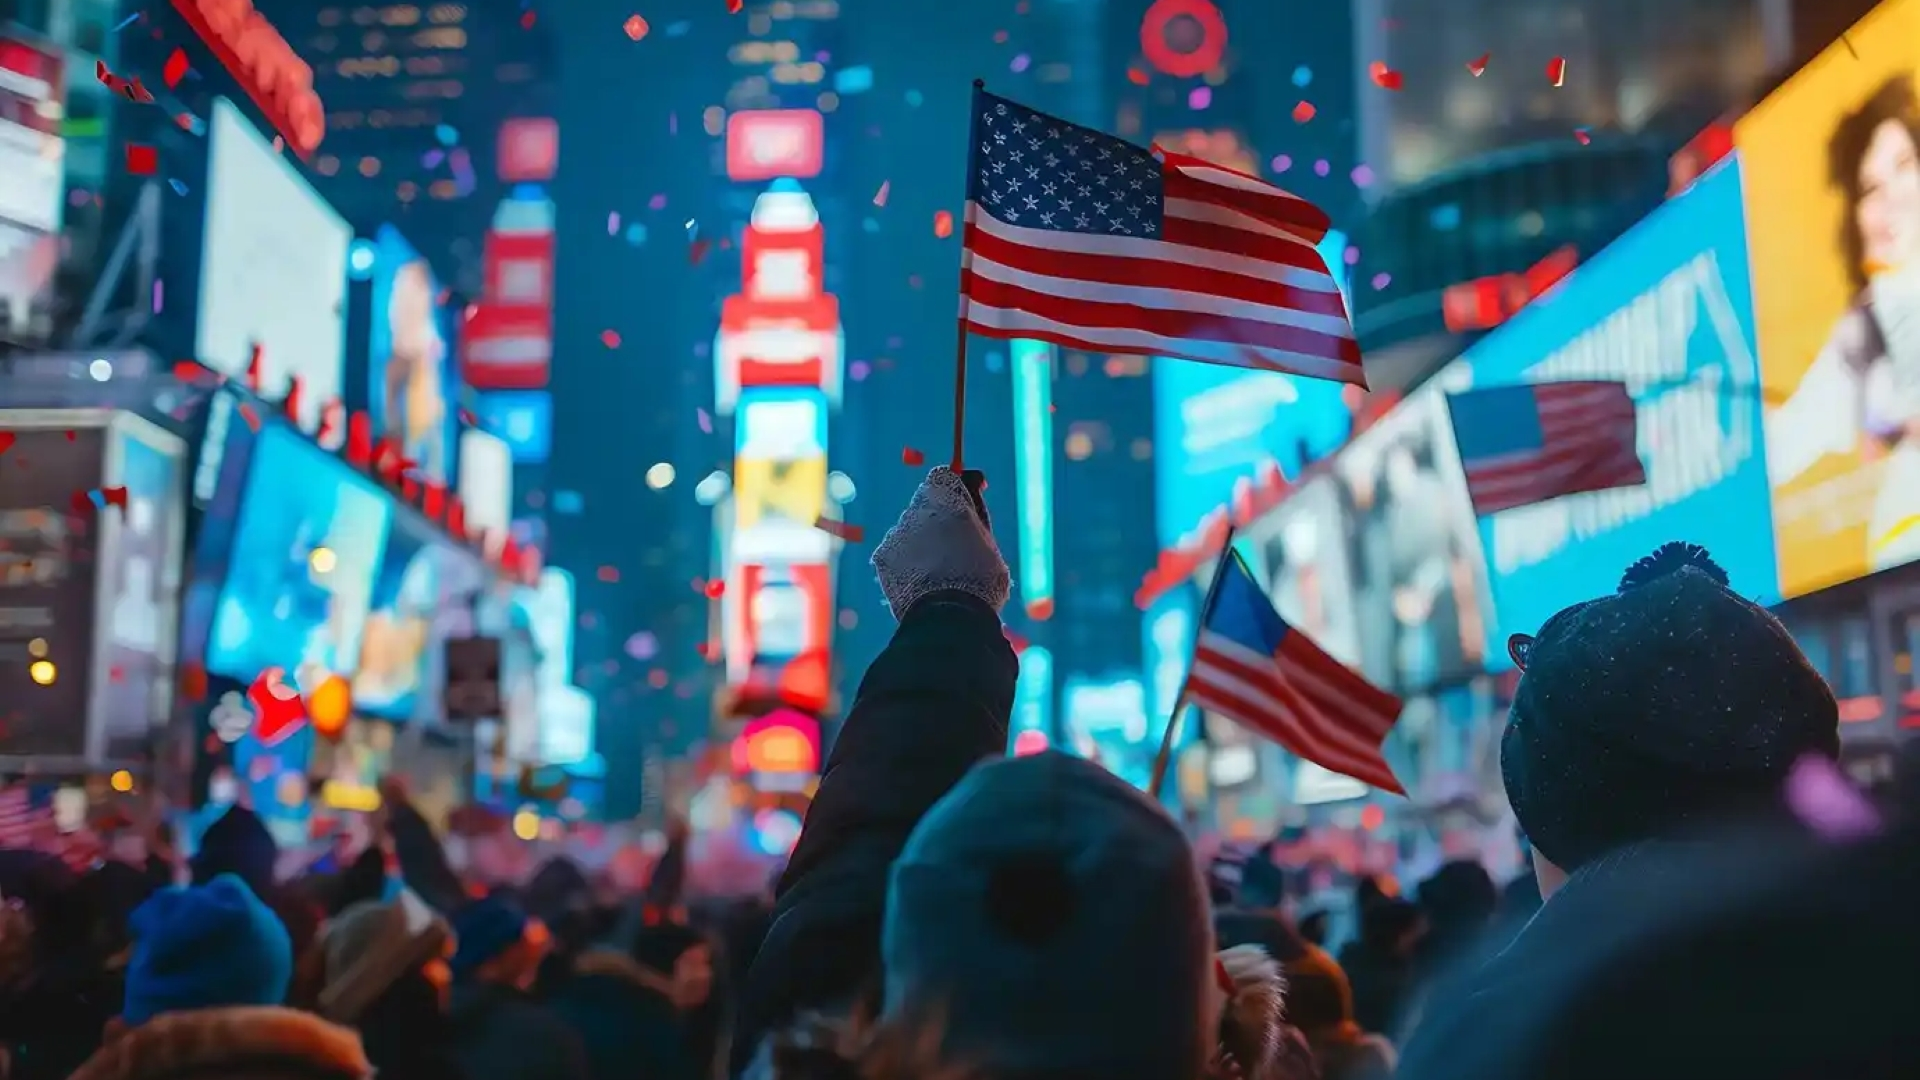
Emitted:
pixel 942 541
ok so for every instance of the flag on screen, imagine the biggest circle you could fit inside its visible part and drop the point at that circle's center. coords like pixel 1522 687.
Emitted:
pixel 1526 444
pixel 1254 669
pixel 1089 242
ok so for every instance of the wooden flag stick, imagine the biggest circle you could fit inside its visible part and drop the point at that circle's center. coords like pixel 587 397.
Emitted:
pixel 959 395
pixel 1165 756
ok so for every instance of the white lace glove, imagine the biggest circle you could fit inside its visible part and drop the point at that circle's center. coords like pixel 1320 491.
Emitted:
pixel 942 541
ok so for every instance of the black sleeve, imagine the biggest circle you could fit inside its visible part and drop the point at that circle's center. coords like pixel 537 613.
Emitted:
pixel 423 864
pixel 934 703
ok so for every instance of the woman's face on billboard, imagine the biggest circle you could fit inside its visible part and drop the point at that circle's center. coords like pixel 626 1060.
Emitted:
pixel 1889 209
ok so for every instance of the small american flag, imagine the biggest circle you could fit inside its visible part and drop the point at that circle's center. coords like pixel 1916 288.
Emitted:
pixel 1089 242
pixel 1526 444
pixel 25 822
pixel 1254 669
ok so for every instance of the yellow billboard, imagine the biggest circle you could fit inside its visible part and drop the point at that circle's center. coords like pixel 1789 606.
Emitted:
pixel 793 491
pixel 1830 165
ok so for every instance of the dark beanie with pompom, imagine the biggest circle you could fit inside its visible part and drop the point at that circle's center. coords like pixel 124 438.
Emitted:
pixel 1672 702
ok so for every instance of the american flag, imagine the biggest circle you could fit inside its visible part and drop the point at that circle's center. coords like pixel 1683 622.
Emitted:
pixel 25 822
pixel 1526 444
pixel 1254 669
pixel 1089 242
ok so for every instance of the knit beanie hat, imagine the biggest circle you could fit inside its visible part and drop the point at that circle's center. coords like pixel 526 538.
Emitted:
pixel 237 843
pixel 207 946
pixel 1054 920
pixel 373 945
pixel 1669 703
pixel 486 929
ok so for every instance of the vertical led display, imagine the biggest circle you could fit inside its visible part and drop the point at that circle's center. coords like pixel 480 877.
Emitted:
pixel 1032 727
pixel 1033 471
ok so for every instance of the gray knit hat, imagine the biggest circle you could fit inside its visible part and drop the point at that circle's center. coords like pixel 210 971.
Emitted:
pixel 372 945
pixel 1053 920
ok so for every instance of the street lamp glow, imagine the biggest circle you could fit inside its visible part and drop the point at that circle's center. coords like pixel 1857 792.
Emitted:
pixel 660 476
pixel 43 672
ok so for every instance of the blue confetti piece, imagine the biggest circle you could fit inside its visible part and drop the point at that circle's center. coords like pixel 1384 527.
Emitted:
pixel 636 234
pixel 126 22
pixel 870 225
pixel 568 502
pixel 446 134
pixel 914 98
pixel 679 29
pixel 1302 76
pixel 853 80
pixel 179 186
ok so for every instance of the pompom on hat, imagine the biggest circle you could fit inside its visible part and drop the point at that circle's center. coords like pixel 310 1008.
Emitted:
pixel 1673 701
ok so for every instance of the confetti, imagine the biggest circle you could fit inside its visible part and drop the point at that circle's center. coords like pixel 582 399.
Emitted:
pixel 880 197
pixel 942 224
pixel 705 421
pixel 609 574
pixel 114 496
pixel 698 251
pixel 526 21
pixel 1303 112
pixel 1581 136
pixel 175 69
pixel 82 503
pixel 1383 76
pixel 734 6
pixel 635 26
pixel 252 418
pixel 142 160
pixel 715 590
pixel 851 534
pixel 1557 71
pixel 1136 76
pixel 1822 798
pixel 137 92
pixel 193 681
pixel 610 339
pixel 910 456
pixel 7 439
pixel 276 706
pixel 1477 68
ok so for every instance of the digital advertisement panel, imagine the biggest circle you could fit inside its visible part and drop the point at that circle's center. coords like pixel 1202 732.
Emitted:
pixel 300 572
pixel 1832 187
pixel 395 643
pixel 1032 728
pixel 1033 471
pixel 1298 551
pixel 140 580
pixel 33 170
pixel 780 478
pixel 48 571
pixel 1666 310
pixel 766 143
pixel 524 418
pixel 1215 427
pixel 1167 633
pixel 1419 581
pixel 486 487
pixel 273 270
pixel 409 364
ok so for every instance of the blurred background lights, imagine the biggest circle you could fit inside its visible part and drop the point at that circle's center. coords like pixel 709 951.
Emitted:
pixel 526 824
pixel 121 781
pixel 712 488
pixel 42 672
pixel 322 560
pixel 660 477
pixel 840 487
pixel 101 370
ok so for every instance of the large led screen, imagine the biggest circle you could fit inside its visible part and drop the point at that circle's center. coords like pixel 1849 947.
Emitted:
pixel 397 642
pixel 1665 309
pixel 300 572
pixel 410 364
pixel 1830 165
pixel 273 269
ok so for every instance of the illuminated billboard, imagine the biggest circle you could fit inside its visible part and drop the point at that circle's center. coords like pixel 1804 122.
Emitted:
pixel 1033 471
pixel 1032 728
pixel 763 144
pixel 780 478
pixel 781 330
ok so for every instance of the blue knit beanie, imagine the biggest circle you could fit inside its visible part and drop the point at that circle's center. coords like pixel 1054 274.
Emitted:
pixel 208 946
pixel 485 929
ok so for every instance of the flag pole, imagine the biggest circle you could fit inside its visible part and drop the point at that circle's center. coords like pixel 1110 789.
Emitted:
pixel 1165 756
pixel 960 332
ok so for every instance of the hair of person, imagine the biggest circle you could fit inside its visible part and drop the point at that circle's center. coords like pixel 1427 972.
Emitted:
pixel 1894 101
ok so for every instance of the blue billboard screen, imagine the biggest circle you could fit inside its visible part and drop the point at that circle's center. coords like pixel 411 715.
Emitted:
pixel 1217 426
pixel 410 359
pixel 395 641
pixel 523 419
pixel 1668 310
pixel 300 570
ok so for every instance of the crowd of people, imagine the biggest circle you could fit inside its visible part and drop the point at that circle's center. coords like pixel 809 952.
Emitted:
pixel 1710 897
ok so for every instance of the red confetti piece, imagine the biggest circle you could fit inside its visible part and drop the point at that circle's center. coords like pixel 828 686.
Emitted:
pixel 1580 136
pixel 1384 77
pixel 278 706
pixel 910 456
pixel 636 27
pixel 852 534
pixel 526 21
pixel 466 417
pixel 942 224
pixel 716 589
pixel 610 339
pixel 1136 76
pixel 880 197
pixel 193 681
pixel 142 160
pixel 609 574
pixel 71 436
pixel 1557 71
pixel 734 6
pixel 1478 67
pixel 7 439
pixel 175 69
pixel 252 418
pixel 138 93
pixel 1304 112
pixel 115 496
pixel 698 251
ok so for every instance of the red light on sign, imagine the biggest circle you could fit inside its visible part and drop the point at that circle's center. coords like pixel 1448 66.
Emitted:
pixel 1183 38
pixel 529 150
pixel 769 143
pixel 264 65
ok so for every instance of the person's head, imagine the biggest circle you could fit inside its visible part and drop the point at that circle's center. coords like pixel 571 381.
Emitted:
pixel 386 952
pixel 1670 704
pixel 1319 995
pixel 206 946
pixel 1873 159
pixel 682 957
pixel 499 943
pixel 1392 927
pixel 1053 920
pixel 1460 895
pixel 238 843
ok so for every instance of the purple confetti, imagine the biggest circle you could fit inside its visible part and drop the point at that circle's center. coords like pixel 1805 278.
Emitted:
pixel 1362 176
pixel 1282 163
pixel 432 159
pixel 1020 63
pixel 1381 281
pixel 858 370
pixel 1825 802
pixel 643 646
pixel 1322 167
pixel 1199 98
pixel 705 421
pixel 159 296
pixel 658 202
pixel 673 123
pixel 613 223
pixel 1352 255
